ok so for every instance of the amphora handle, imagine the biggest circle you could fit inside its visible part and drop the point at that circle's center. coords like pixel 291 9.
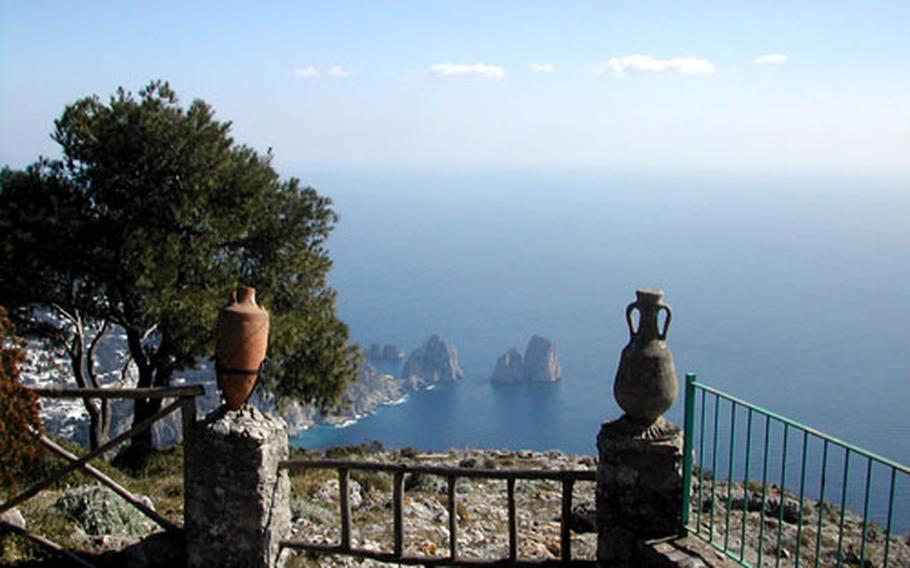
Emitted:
pixel 632 331
pixel 663 306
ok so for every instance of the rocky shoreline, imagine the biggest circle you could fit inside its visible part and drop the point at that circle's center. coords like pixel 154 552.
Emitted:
pixel 68 418
pixel 433 363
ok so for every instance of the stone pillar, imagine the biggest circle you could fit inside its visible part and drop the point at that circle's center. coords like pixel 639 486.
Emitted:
pixel 639 487
pixel 237 506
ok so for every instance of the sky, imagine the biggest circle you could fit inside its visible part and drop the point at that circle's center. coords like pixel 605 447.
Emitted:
pixel 446 85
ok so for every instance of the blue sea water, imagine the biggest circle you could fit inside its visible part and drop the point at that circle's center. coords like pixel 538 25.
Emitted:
pixel 788 291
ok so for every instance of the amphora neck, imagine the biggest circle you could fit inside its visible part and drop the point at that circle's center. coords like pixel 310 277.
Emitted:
pixel 649 303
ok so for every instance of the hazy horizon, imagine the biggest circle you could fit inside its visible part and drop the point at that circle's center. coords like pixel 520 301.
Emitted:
pixel 418 86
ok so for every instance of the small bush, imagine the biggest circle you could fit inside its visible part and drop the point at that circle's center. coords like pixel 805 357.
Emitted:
pixel 306 509
pixel 19 449
pixel 373 481
pixel 408 452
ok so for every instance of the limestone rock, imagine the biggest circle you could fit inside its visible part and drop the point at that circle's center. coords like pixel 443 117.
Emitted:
pixel 509 368
pixel 433 362
pixel 541 363
pixel 329 492
pixel 99 511
pixel 13 517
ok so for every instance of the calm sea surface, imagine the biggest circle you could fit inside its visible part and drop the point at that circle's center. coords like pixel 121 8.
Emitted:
pixel 790 292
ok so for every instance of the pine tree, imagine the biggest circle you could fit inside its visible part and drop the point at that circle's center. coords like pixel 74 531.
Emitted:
pixel 169 214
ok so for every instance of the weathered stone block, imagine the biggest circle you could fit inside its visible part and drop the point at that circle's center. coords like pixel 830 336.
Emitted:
pixel 639 486
pixel 237 500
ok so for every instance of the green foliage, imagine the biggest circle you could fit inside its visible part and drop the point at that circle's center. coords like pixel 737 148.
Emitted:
pixel 409 452
pixel 49 237
pixel 97 510
pixel 355 451
pixel 157 215
pixel 162 480
pixel 20 422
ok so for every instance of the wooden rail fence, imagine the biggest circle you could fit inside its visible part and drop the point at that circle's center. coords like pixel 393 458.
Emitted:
pixel 186 403
pixel 451 474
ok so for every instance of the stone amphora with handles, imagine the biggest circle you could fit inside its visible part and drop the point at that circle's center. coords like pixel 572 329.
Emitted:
pixel 646 384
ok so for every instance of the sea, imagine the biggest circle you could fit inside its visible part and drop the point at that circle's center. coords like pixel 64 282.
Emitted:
pixel 791 291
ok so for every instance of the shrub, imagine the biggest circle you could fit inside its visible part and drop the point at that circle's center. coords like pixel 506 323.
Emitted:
pixel 408 452
pixel 20 422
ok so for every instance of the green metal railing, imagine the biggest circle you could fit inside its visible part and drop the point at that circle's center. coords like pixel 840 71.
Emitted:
pixel 759 466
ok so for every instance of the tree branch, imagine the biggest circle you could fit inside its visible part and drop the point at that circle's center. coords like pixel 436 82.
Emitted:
pixel 64 313
pixel 93 350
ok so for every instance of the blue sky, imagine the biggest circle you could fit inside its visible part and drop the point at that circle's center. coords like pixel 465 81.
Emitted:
pixel 462 85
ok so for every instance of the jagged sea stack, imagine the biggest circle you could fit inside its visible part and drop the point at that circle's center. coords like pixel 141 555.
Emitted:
pixel 541 363
pixel 646 384
pixel 433 362
pixel 509 369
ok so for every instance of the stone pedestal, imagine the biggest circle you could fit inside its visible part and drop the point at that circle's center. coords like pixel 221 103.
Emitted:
pixel 237 500
pixel 639 487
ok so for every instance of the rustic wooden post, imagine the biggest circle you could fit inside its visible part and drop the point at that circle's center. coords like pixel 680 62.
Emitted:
pixel 513 522
pixel 397 511
pixel 344 481
pixel 453 517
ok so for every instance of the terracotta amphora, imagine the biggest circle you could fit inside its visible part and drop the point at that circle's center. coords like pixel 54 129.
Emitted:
pixel 646 384
pixel 241 340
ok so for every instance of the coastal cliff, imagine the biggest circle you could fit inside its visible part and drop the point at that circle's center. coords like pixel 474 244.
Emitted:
pixel 68 419
pixel 368 392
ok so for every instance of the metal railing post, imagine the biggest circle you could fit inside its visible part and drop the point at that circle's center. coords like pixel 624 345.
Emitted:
pixel 689 429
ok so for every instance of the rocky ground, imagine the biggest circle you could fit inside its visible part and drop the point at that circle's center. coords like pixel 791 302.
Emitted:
pixel 481 509
pixel 482 516
pixel 84 520
pixel 782 525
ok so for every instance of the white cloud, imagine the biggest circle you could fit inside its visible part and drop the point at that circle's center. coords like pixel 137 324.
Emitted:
pixel 339 71
pixel 770 59
pixel 645 64
pixel 307 72
pixel 467 70
pixel 541 67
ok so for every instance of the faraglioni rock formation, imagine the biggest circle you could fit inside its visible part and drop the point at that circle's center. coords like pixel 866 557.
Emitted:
pixel 541 365
pixel 433 362
pixel 509 369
